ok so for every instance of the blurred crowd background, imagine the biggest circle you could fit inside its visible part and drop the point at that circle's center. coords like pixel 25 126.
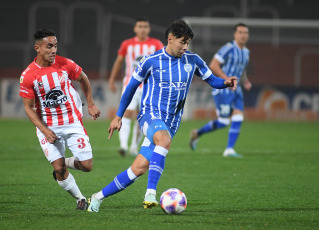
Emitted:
pixel 284 46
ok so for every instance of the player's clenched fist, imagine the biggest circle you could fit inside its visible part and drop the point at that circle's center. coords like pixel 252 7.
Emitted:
pixel 231 82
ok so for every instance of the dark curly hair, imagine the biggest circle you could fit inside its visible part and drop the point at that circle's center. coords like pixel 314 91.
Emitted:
pixel 180 29
pixel 43 33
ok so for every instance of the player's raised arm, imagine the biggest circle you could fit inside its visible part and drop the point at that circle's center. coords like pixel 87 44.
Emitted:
pixel 93 110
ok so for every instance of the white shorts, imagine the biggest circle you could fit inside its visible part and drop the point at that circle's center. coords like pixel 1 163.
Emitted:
pixel 136 100
pixel 72 135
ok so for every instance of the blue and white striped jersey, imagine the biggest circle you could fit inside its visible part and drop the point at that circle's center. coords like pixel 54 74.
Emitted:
pixel 167 80
pixel 233 59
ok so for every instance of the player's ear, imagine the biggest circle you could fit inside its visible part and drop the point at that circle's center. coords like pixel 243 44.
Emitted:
pixel 170 38
pixel 37 48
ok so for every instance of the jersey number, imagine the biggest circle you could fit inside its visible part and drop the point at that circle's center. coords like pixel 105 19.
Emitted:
pixel 82 144
pixel 224 109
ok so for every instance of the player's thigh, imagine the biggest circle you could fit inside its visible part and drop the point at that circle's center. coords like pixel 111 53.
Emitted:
pixel 239 101
pixel 78 142
pixel 151 124
pixel 52 151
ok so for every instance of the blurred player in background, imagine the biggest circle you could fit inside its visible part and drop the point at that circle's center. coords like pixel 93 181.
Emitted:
pixel 54 107
pixel 133 50
pixel 230 60
pixel 167 75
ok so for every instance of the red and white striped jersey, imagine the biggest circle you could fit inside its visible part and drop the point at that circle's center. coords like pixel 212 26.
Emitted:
pixel 134 50
pixel 57 102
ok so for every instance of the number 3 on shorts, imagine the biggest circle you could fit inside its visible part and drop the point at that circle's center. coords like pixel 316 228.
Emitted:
pixel 82 144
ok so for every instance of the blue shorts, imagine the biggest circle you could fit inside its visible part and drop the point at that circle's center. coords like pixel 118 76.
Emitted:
pixel 226 100
pixel 150 124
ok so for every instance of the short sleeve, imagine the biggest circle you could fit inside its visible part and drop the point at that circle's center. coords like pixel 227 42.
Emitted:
pixel 223 53
pixel 74 70
pixel 143 69
pixel 26 87
pixel 123 49
pixel 202 69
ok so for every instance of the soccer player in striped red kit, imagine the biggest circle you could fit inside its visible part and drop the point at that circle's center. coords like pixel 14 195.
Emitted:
pixel 55 108
pixel 132 51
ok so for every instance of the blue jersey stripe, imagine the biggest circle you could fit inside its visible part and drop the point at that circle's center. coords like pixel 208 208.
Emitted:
pixel 234 59
pixel 167 80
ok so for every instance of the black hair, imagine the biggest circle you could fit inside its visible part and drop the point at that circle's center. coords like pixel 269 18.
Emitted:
pixel 43 33
pixel 179 28
pixel 239 24
pixel 141 20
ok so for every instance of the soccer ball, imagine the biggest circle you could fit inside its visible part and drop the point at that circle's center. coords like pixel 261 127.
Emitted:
pixel 173 201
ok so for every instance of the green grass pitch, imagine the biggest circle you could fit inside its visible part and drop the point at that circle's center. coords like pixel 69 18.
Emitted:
pixel 275 185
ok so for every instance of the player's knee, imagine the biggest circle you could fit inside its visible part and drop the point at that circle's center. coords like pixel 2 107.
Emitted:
pixel 238 117
pixel 163 140
pixel 224 120
pixel 86 166
pixel 139 171
pixel 60 170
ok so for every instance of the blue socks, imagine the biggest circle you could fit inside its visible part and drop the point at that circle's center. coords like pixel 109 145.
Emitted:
pixel 211 126
pixel 233 133
pixel 120 182
pixel 156 167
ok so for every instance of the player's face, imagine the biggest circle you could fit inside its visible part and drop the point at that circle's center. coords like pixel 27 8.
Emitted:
pixel 177 46
pixel 47 49
pixel 241 35
pixel 142 30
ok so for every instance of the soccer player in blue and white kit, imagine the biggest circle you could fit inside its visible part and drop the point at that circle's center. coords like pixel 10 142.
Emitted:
pixel 167 75
pixel 230 60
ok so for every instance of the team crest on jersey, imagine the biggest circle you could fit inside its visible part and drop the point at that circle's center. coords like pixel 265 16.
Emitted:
pixel 21 79
pixel 40 85
pixel 188 68
pixel 61 78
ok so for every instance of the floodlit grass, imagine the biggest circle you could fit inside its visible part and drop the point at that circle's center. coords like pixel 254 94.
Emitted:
pixel 275 185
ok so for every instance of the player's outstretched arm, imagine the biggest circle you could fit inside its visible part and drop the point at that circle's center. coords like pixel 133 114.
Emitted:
pixel 34 118
pixel 93 110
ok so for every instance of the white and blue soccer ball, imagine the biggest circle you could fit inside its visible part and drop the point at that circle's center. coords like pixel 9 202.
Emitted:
pixel 173 201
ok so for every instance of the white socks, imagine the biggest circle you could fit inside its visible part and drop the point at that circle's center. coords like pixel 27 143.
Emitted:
pixel 125 132
pixel 71 187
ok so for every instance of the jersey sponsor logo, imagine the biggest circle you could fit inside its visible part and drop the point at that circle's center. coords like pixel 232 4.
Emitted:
pixel 188 68
pixel 54 98
pixel 177 85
